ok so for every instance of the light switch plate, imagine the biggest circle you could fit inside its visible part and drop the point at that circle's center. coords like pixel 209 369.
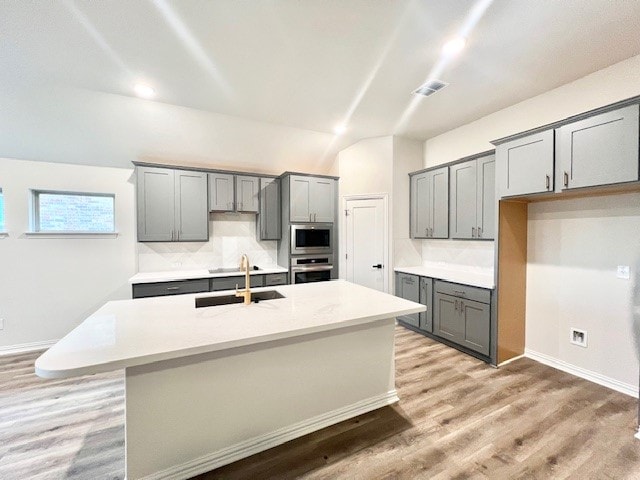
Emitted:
pixel 623 272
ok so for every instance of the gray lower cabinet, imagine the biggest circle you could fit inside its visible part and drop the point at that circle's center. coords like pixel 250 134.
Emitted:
pixel 171 205
pixel 311 199
pixel 426 298
pixel 229 283
pixel 408 287
pixel 269 214
pixel 525 165
pixel 599 150
pixel 473 199
pixel 462 314
pixel 429 209
pixel 274 279
pixel 143 290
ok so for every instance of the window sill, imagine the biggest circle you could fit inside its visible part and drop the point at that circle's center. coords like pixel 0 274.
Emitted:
pixel 70 234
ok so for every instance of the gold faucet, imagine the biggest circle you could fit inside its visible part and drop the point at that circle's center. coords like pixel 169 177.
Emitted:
pixel 246 293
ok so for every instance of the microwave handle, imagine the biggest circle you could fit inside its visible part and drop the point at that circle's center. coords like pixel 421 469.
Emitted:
pixel 312 269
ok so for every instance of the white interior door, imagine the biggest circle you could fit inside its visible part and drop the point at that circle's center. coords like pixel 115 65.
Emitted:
pixel 366 242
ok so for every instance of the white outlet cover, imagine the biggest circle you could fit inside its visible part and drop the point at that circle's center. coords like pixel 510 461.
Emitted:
pixel 578 337
pixel 623 272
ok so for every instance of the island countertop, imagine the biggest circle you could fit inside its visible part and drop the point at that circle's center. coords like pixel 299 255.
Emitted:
pixel 125 333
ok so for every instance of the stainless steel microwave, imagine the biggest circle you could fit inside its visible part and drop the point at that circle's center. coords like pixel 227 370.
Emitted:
pixel 311 238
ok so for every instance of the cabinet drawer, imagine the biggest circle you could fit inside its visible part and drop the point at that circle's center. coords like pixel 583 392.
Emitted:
pixel 142 290
pixel 229 283
pixel 272 279
pixel 464 291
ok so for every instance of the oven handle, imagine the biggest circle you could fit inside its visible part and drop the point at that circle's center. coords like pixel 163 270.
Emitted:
pixel 312 269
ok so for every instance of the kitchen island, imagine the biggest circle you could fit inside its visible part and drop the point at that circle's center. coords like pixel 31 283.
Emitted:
pixel 208 386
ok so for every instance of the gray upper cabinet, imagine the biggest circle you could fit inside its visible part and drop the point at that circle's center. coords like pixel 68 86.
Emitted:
pixel 430 204
pixel 247 192
pixel 172 205
pixel 525 165
pixel 269 216
pixel 233 193
pixel 473 199
pixel 312 199
pixel 191 213
pixel 221 192
pixel 599 150
pixel 463 200
pixel 486 194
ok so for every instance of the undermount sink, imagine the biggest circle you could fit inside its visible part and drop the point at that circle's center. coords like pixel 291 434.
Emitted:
pixel 230 269
pixel 230 299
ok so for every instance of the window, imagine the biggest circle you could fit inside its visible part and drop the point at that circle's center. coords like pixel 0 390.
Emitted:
pixel 2 226
pixel 72 212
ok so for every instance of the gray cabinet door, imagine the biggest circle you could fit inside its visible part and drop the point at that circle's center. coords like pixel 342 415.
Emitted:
pixel 419 207
pixel 191 212
pixel 447 322
pixel 247 190
pixel 600 150
pixel 221 192
pixel 179 287
pixel 476 321
pixel 463 200
pixel 269 214
pixel 299 198
pixel 487 200
pixel 322 200
pixel 155 204
pixel 439 223
pixel 407 287
pixel 426 298
pixel 525 165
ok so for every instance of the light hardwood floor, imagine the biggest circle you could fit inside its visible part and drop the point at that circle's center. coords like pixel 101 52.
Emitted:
pixel 457 418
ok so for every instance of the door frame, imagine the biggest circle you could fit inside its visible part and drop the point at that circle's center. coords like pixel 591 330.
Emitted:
pixel 386 237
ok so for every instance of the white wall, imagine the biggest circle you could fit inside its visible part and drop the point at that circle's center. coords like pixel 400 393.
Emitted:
pixel 381 165
pixel 49 285
pixel 574 244
pixel 407 157
pixel 85 127
pixel 574 247
pixel 231 235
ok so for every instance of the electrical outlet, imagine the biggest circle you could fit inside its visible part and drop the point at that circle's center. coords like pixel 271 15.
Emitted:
pixel 623 272
pixel 578 337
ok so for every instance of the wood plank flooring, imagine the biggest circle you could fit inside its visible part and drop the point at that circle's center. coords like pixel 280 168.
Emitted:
pixel 458 418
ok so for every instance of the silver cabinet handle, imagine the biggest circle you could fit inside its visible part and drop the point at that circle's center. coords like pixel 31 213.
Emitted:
pixel 548 181
pixel 173 288
pixel 311 217
pixel 473 232
pixel 566 179
pixel 479 232
pixel 460 293
pixel 456 305
pixel 173 235
pixel 178 235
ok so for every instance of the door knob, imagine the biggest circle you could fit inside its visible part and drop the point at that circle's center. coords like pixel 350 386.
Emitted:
pixel 379 265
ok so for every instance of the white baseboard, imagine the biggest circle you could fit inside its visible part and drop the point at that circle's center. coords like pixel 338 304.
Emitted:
pixel 637 435
pixel 272 439
pixel 26 347
pixel 594 377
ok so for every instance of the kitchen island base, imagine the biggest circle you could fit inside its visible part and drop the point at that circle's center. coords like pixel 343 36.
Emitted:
pixel 189 415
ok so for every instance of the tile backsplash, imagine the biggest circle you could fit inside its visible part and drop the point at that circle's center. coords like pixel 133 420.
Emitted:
pixel 459 253
pixel 230 235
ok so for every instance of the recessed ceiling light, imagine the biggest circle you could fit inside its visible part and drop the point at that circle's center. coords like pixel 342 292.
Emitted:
pixel 144 91
pixel 454 46
pixel 339 129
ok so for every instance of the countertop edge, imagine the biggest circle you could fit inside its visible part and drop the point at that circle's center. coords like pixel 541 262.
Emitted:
pixel 460 277
pixel 52 373
pixel 160 277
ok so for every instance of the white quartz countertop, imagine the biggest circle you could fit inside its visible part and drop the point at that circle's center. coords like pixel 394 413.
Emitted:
pixel 126 333
pixel 474 276
pixel 168 276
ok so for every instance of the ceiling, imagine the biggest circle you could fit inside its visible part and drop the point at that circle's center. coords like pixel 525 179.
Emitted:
pixel 312 64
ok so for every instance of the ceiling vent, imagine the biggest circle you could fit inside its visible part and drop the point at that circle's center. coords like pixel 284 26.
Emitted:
pixel 431 87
